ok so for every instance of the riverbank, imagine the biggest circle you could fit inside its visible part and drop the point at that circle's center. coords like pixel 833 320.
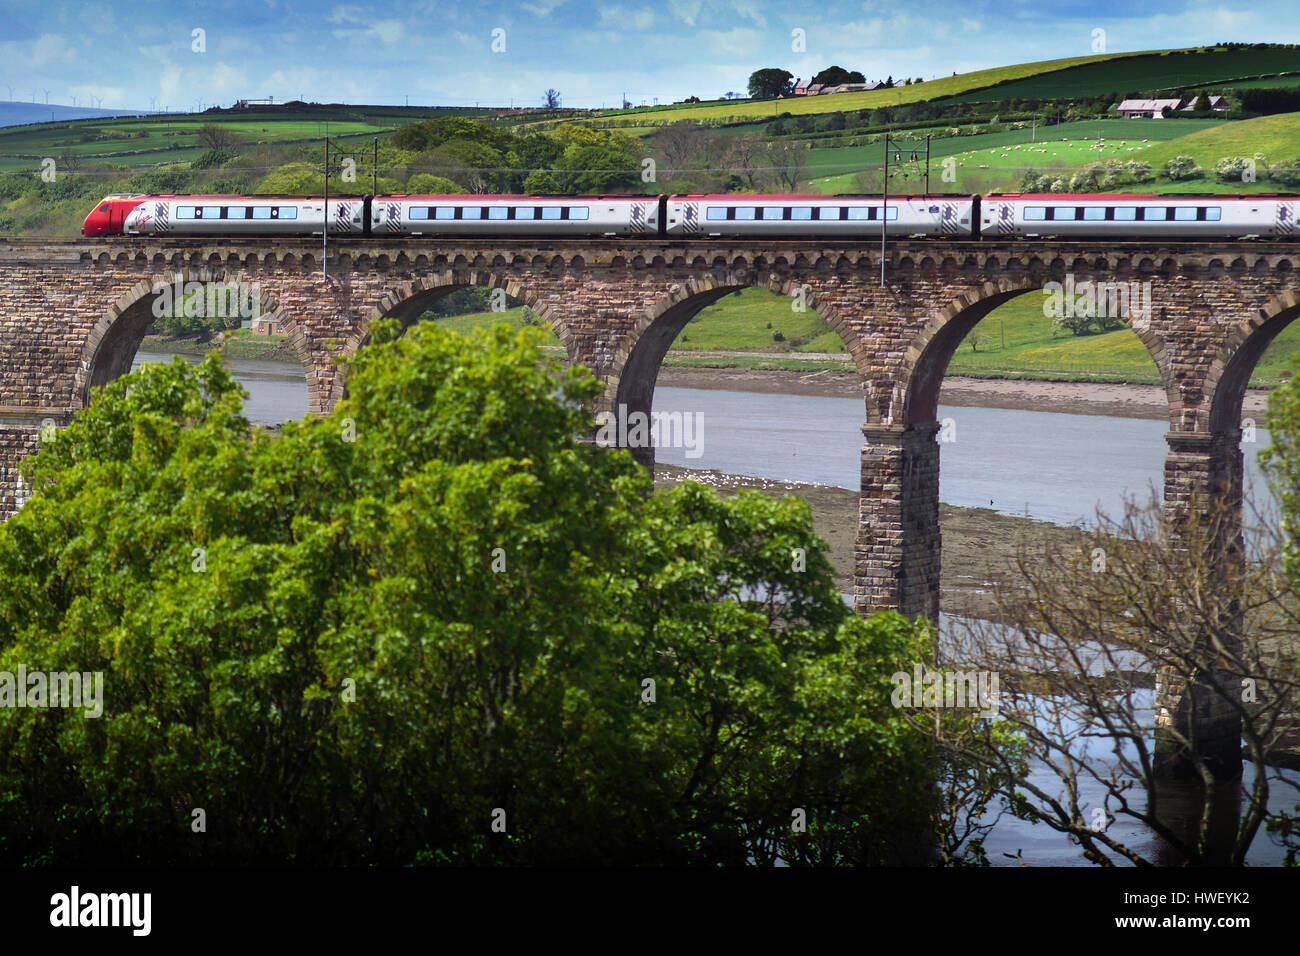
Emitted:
pixel 979 548
pixel 979 545
pixel 1073 398
pixel 234 344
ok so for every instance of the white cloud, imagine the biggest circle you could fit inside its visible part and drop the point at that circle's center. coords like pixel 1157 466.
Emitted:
pixel 621 17
pixel 541 8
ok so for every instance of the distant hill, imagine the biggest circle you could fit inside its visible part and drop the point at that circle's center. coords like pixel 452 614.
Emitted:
pixel 15 114
pixel 944 86
pixel 1068 78
pixel 1176 70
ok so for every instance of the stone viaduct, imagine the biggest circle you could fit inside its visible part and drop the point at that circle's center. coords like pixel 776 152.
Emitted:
pixel 72 314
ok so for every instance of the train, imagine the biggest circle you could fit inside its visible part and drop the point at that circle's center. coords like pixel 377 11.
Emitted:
pixel 704 216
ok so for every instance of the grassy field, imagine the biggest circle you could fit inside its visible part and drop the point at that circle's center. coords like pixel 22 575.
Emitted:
pixel 1163 71
pixel 1014 341
pixel 994 157
pixel 931 89
pixel 1277 138
pixel 154 139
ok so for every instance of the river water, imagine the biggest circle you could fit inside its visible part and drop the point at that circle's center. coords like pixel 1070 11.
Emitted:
pixel 1047 465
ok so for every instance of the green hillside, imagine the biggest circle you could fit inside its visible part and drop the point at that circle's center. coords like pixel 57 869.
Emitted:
pixel 148 140
pixel 1276 137
pixel 986 160
pixel 871 99
pixel 1174 69
pixel 1014 341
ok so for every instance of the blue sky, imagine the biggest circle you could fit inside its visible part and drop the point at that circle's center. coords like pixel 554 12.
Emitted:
pixel 141 54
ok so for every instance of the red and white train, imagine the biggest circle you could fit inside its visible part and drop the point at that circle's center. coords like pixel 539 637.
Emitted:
pixel 817 216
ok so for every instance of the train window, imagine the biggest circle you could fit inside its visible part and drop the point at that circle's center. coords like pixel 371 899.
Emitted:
pixel 211 212
pixel 1185 213
pixel 184 212
pixel 1125 213
pixel 550 212
pixel 861 212
pixel 497 212
pixel 829 212
pixel 745 212
pixel 288 212
pixel 471 212
pixel 418 212
pixel 444 212
pixel 577 212
pixel 261 212
pixel 1094 213
pixel 1212 213
pixel 801 212
pixel 1060 213
pixel 236 212
pixel 716 212
pixel 773 212
pixel 1035 213
pixel 103 207
pixel 1155 213
pixel 525 212
pixel 891 212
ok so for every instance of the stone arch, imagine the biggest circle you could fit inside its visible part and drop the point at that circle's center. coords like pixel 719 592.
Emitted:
pixel 925 362
pixel 640 356
pixel 1235 361
pixel 113 341
pixel 409 300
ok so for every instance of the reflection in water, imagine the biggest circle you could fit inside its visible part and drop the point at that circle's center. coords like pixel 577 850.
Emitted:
pixel 1179 804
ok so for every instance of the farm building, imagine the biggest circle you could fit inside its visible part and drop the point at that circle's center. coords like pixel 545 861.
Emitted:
pixel 1156 109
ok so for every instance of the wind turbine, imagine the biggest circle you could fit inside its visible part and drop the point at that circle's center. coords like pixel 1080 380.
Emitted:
pixel 74 101
pixel 47 97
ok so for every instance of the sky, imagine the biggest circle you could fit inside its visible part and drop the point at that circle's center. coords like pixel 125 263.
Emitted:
pixel 143 54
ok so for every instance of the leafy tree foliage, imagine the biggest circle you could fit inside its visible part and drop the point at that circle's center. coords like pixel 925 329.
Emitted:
pixel 433 185
pixel 769 83
pixel 359 641
pixel 835 75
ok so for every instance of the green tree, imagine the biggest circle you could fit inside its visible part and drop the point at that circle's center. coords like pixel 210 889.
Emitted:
pixel 431 185
pixel 770 83
pixel 593 169
pixel 835 75
pixel 360 641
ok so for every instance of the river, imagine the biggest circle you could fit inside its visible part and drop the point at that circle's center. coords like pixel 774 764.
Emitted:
pixel 1049 466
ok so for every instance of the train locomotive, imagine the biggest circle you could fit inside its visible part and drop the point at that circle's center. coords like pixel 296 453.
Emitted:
pixel 704 216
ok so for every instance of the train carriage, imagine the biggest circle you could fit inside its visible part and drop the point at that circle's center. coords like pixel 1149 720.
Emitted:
pixel 499 215
pixel 732 214
pixel 1145 215
pixel 244 216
